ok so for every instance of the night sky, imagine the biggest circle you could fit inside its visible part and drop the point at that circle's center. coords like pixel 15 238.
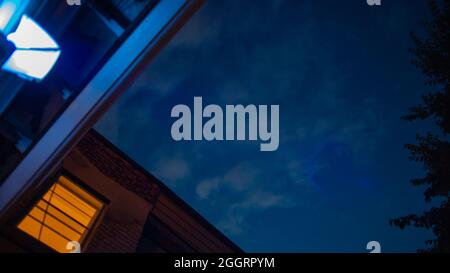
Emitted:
pixel 341 73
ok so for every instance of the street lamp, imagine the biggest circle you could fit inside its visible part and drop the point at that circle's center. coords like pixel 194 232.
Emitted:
pixel 29 52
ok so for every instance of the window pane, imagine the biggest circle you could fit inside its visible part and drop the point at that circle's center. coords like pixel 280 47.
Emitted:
pixel 37 214
pixel 64 218
pixel 74 200
pixel 53 240
pixel 84 195
pixel 65 213
pixel 30 226
pixel 61 228
pixel 69 209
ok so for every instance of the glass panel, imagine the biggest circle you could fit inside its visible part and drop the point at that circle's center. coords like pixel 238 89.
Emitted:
pixel 61 228
pixel 53 240
pixel 77 202
pixel 69 209
pixel 87 36
pixel 65 213
pixel 130 9
pixel 84 195
pixel 37 214
pixel 30 226
pixel 63 217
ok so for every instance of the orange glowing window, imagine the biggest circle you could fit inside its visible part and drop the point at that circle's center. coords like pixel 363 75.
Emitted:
pixel 65 213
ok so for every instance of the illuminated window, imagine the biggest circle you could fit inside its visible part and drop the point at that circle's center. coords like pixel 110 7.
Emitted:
pixel 65 213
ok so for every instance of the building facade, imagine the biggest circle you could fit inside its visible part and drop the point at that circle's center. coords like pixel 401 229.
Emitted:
pixel 106 202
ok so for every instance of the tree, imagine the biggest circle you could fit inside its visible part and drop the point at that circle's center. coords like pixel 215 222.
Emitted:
pixel 432 150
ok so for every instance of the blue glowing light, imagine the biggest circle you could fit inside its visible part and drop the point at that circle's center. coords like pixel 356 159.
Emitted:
pixel 36 52
pixel 31 63
pixel 29 35
pixel 10 13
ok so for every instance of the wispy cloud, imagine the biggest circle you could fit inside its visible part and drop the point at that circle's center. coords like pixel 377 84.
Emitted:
pixel 171 170
pixel 254 202
pixel 246 182
pixel 239 178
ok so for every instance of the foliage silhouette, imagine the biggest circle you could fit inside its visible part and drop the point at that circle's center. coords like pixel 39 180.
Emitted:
pixel 432 150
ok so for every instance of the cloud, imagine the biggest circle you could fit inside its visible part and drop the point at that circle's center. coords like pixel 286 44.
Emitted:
pixel 241 176
pixel 233 223
pixel 171 170
pixel 110 124
pixel 256 201
pixel 302 173
pixel 238 178
pixel 205 187
pixel 248 190
pixel 261 199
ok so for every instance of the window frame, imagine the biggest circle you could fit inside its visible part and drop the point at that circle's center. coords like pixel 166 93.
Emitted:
pixel 29 242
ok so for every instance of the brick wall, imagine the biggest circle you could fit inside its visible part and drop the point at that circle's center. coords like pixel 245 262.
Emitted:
pixel 125 219
pixel 115 237
pixel 114 165
pixel 116 233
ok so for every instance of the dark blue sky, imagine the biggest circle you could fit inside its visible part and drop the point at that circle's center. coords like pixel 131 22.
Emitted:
pixel 341 73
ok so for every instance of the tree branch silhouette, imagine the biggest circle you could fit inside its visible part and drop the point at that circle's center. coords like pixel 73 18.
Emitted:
pixel 432 150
